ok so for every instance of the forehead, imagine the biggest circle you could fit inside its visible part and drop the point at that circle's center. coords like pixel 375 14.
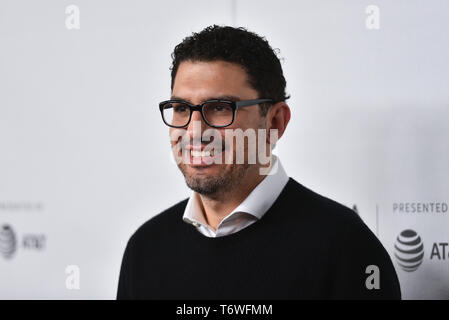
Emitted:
pixel 201 80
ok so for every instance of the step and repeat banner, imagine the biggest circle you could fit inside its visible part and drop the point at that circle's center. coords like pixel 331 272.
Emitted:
pixel 85 157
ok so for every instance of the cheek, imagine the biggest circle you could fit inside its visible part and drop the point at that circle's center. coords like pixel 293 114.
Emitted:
pixel 176 135
pixel 249 119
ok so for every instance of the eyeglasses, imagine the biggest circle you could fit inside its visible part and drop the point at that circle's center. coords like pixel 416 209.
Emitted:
pixel 216 113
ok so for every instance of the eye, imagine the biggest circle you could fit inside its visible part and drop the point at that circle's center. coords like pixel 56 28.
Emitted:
pixel 219 107
pixel 179 108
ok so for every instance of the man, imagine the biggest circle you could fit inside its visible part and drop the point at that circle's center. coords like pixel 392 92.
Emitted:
pixel 248 231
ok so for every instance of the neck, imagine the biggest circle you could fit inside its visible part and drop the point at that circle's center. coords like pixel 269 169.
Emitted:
pixel 215 209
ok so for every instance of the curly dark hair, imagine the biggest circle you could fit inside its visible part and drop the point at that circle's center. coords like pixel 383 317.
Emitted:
pixel 236 45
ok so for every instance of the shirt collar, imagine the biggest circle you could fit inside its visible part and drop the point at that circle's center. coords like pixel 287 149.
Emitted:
pixel 256 203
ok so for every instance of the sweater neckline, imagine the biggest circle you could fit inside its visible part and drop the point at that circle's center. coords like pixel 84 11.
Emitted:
pixel 249 229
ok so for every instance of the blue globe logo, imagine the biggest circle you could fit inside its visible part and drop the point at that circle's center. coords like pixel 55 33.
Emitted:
pixel 409 250
pixel 8 243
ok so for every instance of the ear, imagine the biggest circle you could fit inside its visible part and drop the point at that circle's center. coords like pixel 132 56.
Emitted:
pixel 278 117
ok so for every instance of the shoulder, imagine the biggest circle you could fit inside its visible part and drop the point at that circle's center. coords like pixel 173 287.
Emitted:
pixel 327 220
pixel 161 225
pixel 350 245
pixel 314 207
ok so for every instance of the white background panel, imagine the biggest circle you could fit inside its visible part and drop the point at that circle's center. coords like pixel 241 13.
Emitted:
pixel 81 134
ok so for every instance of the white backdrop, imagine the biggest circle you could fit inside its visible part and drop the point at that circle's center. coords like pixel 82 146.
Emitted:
pixel 85 158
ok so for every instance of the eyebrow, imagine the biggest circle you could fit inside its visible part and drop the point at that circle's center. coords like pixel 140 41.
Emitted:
pixel 223 97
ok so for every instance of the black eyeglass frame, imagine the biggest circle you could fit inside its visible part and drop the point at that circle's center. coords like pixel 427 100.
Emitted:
pixel 235 105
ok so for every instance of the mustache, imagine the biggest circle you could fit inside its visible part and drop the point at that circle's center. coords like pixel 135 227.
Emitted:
pixel 210 144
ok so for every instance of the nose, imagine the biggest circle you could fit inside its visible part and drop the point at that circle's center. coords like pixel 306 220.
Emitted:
pixel 196 116
pixel 196 126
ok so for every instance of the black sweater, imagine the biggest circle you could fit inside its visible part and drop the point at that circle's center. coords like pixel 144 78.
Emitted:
pixel 306 246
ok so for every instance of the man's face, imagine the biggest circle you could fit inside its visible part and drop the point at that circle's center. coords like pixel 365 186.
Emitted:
pixel 196 82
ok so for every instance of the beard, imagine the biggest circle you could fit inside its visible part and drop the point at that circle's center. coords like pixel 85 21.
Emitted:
pixel 213 186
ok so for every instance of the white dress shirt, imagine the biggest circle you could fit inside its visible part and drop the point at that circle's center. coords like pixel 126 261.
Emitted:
pixel 249 211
